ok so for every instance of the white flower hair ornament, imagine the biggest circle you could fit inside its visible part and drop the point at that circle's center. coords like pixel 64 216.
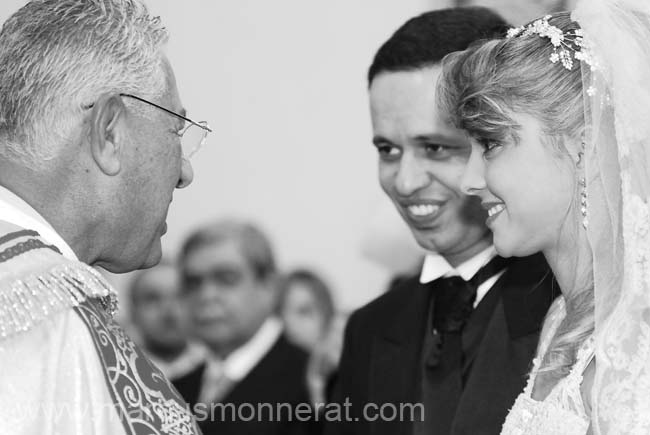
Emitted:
pixel 564 44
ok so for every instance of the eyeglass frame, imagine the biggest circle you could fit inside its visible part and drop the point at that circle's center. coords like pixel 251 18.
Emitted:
pixel 201 124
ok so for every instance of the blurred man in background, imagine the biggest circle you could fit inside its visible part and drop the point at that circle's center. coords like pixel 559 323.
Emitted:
pixel 160 319
pixel 455 343
pixel 229 277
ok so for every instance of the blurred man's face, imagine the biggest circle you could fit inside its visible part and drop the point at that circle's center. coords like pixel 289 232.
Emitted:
pixel 421 161
pixel 159 312
pixel 228 303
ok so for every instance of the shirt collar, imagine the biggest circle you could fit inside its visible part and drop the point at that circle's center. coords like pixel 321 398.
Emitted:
pixel 242 360
pixel 16 211
pixel 436 266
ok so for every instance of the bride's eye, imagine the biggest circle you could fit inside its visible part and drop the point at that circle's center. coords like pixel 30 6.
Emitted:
pixel 490 147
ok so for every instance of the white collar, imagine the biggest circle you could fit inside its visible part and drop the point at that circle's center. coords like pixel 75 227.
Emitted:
pixel 16 211
pixel 242 360
pixel 436 266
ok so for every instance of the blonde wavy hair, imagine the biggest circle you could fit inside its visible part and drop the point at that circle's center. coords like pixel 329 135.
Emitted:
pixel 479 88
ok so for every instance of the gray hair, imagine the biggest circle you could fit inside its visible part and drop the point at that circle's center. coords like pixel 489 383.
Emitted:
pixel 252 242
pixel 58 56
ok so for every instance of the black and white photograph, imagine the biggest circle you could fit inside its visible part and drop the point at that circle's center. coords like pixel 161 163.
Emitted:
pixel 368 217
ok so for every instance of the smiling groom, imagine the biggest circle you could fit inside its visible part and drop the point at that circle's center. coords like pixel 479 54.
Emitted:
pixel 453 345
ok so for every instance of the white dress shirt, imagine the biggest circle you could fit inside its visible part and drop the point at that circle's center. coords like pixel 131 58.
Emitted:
pixel 436 266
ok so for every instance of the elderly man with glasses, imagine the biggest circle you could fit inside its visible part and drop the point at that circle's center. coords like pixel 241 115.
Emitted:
pixel 93 142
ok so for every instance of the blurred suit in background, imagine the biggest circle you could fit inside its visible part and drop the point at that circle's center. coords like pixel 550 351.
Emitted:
pixel 229 279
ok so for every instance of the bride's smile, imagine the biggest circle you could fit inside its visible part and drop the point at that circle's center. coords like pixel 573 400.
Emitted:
pixel 525 183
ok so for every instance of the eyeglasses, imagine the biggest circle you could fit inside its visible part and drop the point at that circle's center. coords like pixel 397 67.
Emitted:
pixel 193 135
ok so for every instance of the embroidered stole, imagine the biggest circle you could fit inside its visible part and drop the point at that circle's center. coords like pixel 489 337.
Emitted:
pixel 37 282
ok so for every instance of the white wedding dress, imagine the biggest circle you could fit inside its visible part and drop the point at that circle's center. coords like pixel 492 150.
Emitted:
pixel 617 173
pixel 562 412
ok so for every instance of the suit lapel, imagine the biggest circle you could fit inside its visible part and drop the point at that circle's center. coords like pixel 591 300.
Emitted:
pixel 527 290
pixel 496 370
pixel 395 356
pixel 477 325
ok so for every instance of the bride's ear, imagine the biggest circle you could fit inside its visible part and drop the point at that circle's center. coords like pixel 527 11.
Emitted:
pixel 580 158
pixel 576 149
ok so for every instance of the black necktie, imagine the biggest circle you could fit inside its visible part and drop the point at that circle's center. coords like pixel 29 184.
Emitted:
pixel 453 302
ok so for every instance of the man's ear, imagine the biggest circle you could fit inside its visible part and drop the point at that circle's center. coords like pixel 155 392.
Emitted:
pixel 107 133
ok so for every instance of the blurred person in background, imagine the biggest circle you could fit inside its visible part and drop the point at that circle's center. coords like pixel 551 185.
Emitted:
pixel 456 341
pixel 229 277
pixel 160 320
pixel 322 369
pixel 91 151
pixel 306 307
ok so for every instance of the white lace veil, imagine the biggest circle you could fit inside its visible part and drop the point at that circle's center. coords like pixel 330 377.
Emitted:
pixel 617 165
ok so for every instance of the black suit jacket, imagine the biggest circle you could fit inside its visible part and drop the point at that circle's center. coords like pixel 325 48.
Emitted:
pixel 383 342
pixel 278 378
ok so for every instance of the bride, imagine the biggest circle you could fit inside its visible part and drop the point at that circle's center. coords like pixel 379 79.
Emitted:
pixel 559 113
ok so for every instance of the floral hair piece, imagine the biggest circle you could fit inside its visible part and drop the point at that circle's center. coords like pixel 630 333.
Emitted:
pixel 564 44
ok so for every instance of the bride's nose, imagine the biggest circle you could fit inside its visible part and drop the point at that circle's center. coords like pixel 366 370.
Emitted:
pixel 473 179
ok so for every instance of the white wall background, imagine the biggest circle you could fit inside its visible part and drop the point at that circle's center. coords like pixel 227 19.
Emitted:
pixel 519 12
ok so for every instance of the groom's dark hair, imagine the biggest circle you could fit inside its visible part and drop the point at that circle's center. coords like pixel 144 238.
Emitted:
pixel 424 40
